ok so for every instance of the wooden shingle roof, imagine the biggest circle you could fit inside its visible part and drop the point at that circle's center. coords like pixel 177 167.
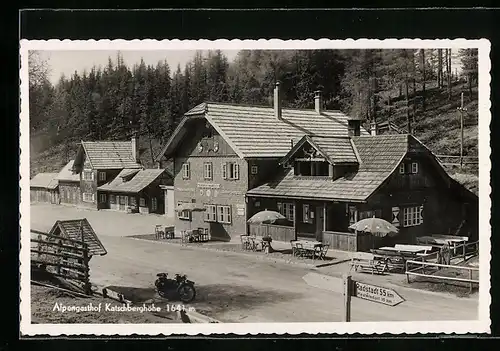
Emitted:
pixel 72 230
pixel 66 174
pixel 44 180
pixel 110 154
pixel 379 155
pixel 138 182
pixel 254 131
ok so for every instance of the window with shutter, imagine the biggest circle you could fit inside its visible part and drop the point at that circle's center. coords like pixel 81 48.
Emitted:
pixel 236 172
pixel 353 215
pixel 185 171
pixel 414 168
pixel 224 171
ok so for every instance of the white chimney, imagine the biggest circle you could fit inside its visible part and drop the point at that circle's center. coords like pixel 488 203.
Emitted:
pixel 318 101
pixel 277 101
pixel 373 128
pixel 134 148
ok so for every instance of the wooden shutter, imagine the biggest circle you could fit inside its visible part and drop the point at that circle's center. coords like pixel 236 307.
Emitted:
pixel 224 170
pixel 236 171
pixel 395 216
pixel 421 209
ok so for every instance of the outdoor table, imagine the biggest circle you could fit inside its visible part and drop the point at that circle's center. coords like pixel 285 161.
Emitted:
pixel 309 246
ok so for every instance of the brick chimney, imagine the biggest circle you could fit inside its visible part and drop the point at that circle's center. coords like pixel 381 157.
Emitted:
pixel 318 101
pixel 135 154
pixel 373 128
pixel 277 101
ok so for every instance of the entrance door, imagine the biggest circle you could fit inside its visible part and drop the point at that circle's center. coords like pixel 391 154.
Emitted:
pixel 319 223
pixel 122 202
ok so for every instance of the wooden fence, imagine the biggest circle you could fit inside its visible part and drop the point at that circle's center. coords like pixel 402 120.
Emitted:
pixel 418 268
pixel 62 257
pixel 342 240
pixel 276 232
pixel 452 160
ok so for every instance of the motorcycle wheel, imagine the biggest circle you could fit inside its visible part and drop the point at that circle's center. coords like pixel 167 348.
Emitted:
pixel 187 293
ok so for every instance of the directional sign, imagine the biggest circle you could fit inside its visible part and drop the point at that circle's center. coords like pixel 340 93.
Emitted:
pixel 376 294
pixel 324 282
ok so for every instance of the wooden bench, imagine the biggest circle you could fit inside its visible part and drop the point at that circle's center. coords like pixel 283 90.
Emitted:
pixel 372 266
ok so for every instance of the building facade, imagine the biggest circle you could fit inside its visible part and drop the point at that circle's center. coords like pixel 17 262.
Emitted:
pixel 97 163
pixel 136 191
pixel 69 186
pixel 44 188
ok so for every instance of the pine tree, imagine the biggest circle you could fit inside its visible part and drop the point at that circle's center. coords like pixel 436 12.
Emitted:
pixel 469 60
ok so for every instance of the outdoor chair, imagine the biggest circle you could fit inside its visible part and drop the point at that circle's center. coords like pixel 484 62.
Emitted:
pixel 300 251
pixel 159 233
pixel 322 251
pixel 246 244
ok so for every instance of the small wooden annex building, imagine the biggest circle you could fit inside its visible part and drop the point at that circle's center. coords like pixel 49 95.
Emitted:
pixel 69 185
pixel 136 190
pixel 43 188
pixel 76 229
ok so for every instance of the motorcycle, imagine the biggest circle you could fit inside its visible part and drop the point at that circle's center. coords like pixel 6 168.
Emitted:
pixel 178 288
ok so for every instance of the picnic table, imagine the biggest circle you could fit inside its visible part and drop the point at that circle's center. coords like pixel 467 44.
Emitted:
pixel 309 249
pixel 375 265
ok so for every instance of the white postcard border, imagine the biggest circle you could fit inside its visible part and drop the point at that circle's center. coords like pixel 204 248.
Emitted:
pixel 482 325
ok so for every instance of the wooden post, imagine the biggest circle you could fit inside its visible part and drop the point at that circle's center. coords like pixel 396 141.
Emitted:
pixel 461 109
pixel 347 298
pixel 324 216
pixel 463 250
pixel 295 219
pixel 86 286
pixel 470 278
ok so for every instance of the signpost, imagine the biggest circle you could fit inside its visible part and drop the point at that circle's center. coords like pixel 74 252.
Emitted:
pixel 351 288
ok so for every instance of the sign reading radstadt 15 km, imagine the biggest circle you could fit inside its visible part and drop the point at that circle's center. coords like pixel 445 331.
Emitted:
pixel 376 294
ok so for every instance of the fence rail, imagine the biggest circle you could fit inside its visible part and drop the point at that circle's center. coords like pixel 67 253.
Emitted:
pixel 417 268
pixel 457 160
pixel 62 257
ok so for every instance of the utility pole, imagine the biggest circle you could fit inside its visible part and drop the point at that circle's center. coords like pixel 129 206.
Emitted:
pixel 462 109
pixel 347 297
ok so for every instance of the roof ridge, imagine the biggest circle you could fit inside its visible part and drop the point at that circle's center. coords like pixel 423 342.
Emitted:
pixel 265 107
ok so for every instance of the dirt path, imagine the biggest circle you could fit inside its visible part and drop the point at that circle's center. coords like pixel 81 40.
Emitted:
pixel 231 286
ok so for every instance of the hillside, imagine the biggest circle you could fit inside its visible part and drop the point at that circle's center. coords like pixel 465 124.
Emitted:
pixel 438 127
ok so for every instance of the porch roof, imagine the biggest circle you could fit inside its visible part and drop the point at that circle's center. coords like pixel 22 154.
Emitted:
pixel 379 156
pixel 140 180
pixel 44 180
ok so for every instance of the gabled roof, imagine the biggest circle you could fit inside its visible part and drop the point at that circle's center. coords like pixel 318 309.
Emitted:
pixel 379 155
pixel 44 180
pixel 334 150
pixel 254 131
pixel 138 182
pixel 66 174
pixel 108 154
pixel 72 230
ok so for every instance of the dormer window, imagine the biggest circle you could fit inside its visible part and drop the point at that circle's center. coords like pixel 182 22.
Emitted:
pixel 311 168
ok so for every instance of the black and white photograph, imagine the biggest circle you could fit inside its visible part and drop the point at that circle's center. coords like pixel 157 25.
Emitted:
pixel 255 187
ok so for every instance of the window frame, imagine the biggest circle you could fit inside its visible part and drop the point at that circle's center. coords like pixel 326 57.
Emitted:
pixel 87 172
pixel 287 209
pixel 306 214
pixel 414 167
pixel 102 198
pixel 208 171
pixel 102 176
pixel 412 216
pixel 224 214
pixel 154 204
pixel 254 169
pixel 231 171
pixel 186 171
pixel 402 168
pixel 86 196
pixel 142 202
pixel 210 213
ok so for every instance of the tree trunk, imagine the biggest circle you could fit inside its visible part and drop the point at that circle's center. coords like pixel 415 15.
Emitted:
pixel 422 57
pixel 407 104
pixel 440 68
pixel 469 78
pixel 449 74
pixel 151 148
